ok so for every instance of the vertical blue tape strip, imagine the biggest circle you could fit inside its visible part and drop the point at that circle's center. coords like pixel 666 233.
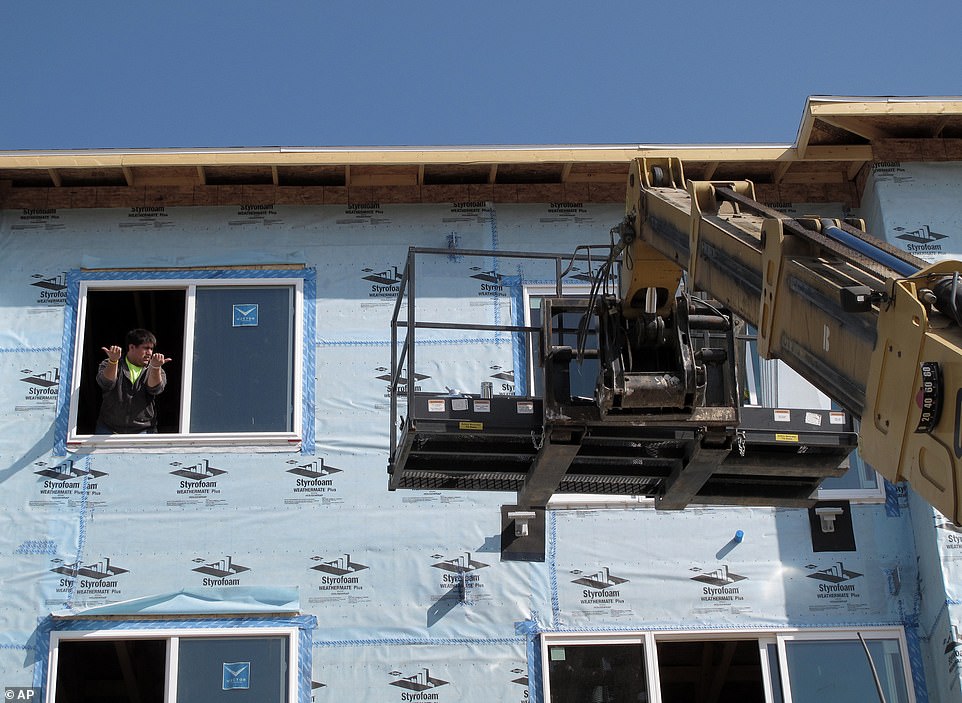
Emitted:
pixel 309 382
pixel 82 534
pixel 493 210
pixel 512 286
pixel 914 644
pixel 496 298
pixel 68 344
pixel 553 567
pixel 891 499
pixel 535 667
pixel 305 659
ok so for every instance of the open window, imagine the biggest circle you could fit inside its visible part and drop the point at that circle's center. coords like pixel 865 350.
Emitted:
pixel 161 666
pixel 831 666
pixel 237 348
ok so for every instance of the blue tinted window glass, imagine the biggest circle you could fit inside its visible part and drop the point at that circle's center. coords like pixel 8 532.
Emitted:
pixel 243 360
pixel 235 669
pixel 838 671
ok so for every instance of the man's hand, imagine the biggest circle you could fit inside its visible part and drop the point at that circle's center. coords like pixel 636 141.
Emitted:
pixel 158 360
pixel 113 353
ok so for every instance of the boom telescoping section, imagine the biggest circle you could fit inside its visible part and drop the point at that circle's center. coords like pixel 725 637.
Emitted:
pixel 825 298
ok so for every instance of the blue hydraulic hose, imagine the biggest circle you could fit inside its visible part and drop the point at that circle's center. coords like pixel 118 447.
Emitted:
pixel 903 268
pixel 947 289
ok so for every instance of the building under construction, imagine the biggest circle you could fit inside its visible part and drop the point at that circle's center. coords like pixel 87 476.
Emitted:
pixel 285 536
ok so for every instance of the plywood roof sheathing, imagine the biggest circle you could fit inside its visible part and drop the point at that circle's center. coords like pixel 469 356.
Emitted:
pixel 839 153
pixel 363 176
pixel 857 126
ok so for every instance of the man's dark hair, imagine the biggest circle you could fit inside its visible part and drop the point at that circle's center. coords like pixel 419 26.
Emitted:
pixel 141 336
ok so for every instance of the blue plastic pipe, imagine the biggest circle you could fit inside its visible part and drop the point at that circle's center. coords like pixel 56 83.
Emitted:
pixel 903 268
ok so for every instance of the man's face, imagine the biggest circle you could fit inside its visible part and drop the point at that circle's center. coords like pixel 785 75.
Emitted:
pixel 139 354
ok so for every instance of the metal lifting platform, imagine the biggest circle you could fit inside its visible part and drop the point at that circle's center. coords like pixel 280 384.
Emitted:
pixel 715 452
pixel 469 443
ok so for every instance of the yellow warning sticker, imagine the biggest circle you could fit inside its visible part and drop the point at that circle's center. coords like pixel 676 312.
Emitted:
pixel 464 425
pixel 782 437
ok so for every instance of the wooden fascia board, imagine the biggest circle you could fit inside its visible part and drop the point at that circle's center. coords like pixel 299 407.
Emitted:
pixel 805 131
pixel 725 154
pixel 315 158
pixel 389 158
pixel 127 162
pixel 884 107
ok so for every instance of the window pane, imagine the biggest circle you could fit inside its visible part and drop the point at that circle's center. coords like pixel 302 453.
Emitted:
pixel 838 671
pixel 584 372
pixel 123 671
pixel 235 669
pixel 243 360
pixel 597 673
pixel 710 671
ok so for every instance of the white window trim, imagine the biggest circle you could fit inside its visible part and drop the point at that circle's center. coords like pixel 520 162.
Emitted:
pixel 236 441
pixel 544 290
pixel 863 496
pixel 173 637
pixel 778 637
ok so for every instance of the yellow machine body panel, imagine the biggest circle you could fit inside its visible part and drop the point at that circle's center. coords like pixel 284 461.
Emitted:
pixel 911 424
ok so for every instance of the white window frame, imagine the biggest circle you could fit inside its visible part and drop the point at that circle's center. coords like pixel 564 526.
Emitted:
pixel 544 290
pixel 173 636
pixel 869 633
pixel 650 640
pixel 237 441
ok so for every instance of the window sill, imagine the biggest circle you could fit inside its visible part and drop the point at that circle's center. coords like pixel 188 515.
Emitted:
pixel 160 443
pixel 861 496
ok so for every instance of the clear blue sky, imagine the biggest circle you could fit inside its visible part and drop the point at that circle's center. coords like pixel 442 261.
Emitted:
pixel 173 73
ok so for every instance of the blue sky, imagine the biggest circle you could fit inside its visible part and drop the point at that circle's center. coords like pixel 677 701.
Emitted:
pixel 332 73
